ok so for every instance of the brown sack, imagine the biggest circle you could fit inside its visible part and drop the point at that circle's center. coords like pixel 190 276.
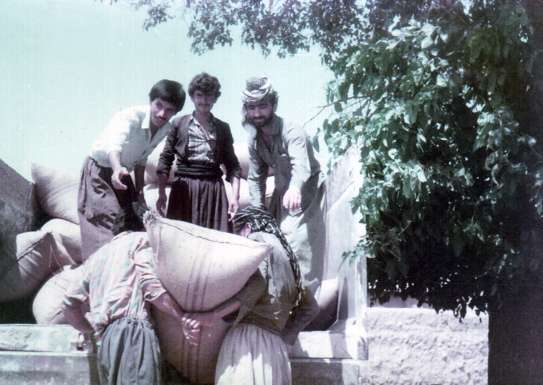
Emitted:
pixel 201 268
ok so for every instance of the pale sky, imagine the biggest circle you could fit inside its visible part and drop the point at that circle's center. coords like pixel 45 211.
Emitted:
pixel 66 66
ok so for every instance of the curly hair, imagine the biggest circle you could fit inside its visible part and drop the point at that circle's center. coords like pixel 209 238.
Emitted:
pixel 207 84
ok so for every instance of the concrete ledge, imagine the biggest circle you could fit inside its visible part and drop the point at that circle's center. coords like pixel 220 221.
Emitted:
pixel 41 368
pixel 308 371
pixel 38 338
pixel 347 344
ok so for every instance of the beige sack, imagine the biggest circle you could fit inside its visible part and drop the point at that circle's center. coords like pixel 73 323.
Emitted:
pixel 68 238
pixel 201 268
pixel 46 306
pixel 242 152
pixel 150 176
pixel 57 191
pixel 244 197
pixel 36 260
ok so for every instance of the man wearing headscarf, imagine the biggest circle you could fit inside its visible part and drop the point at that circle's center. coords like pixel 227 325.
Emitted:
pixel 269 311
pixel 286 148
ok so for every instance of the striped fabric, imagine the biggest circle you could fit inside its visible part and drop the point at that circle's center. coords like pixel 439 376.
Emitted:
pixel 117 280
pixel 202 146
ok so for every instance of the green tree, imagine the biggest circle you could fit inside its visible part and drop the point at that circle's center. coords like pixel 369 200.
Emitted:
pixel 443 100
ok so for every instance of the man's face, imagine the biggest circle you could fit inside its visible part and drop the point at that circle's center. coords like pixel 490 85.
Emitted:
pixel 203 103
pixel 260 115
pixel 161 112
pixel 246 230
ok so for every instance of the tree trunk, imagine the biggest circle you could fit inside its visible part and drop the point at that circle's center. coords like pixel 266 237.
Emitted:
pixel 515 333
pixel 515 338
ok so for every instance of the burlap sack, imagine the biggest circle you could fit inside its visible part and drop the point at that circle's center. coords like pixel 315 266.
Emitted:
pixel 36 260
pixel 244 198
pixel 201 268
pixel 57 191
pixel 242 152
pixel 68 238
pixel 150 176
pixel 46 306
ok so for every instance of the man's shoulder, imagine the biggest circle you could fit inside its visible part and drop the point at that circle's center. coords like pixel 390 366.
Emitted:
pixel 135 115
pixel 134 111
pixel 182 119
pixel 289 125
pixel 219 122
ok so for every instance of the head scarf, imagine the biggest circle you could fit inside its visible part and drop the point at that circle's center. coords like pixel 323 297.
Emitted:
pixel 261 220
pixel 258 90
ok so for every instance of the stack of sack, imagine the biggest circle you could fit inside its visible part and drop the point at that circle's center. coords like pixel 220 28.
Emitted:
pixel 197 265
pixel 46 257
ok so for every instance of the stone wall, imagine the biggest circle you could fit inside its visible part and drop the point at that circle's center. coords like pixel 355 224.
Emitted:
pixel 413 346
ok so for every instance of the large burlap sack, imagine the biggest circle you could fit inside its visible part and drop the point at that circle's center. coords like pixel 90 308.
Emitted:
pixel 36 260
pixel 150 192
pixel 46 306
pixel 197 363
pixel 150 176
pixel 244 197
pixel 242 152
pixel 201 268
pixel 57 191
pixel 68 238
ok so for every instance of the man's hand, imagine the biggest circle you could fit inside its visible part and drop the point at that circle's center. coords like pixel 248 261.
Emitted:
pixel 192 332
pixel 161 203
pixel 193 324
pixel 194 320
pixel 233 208
pixel 117 176
pixel 292 201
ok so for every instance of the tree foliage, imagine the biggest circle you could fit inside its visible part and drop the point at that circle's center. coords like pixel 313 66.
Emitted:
pixel 437 97
pixel 452 191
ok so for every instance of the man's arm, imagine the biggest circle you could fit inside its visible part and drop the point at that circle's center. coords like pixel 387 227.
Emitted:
pixel 119 172
pixel 165 162
pixel 139 176
pixel 242 302
pixel 76 318
pixel 74 305
pixel 233 206
pixel 258 175
pixel 156 294
pixel 167 304
pixel 307 310
pixel 296 141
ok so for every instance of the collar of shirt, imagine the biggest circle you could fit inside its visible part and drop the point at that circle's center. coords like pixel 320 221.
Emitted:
pixel 146 124
pixel 277 125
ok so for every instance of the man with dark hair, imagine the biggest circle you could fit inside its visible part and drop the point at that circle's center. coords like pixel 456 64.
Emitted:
pixel 286 148
pixel 124 146
pixel 118 284
pixel 200 143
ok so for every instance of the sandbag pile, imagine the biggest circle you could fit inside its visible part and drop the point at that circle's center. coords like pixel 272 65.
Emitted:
pixel 39 254
pixel 202 268
pixel 42 254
